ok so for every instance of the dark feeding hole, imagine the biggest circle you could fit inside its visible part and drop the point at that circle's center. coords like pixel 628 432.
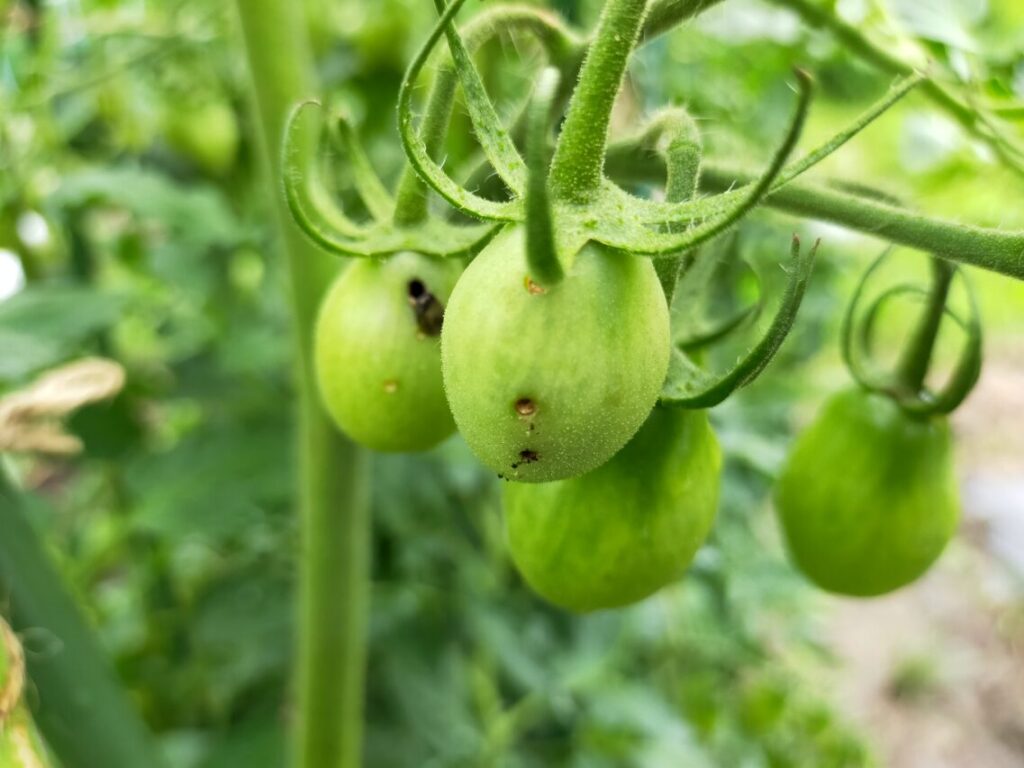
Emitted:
pixel 416 289
pixel 428 311
pixel 525 406
pixel 526 456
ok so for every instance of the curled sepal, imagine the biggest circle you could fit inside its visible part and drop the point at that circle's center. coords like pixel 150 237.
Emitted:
pixel 493 137
pixel 371 189
pixel 326 224
pixel 855 338
pixel 857 346
pixel 541 251
pixel 654 212
pixel 689 386
pixel 307 198
pixel 701 312
pixel 621 226
pixel 417 152
pixel 923 402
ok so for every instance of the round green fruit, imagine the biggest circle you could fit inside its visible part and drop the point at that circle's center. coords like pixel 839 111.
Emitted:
pixel 550 382
pixel 207 134
pixel 868 498
pixel 620 533
pixel 377 351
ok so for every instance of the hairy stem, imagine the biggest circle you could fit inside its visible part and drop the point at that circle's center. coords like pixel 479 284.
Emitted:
pixel 917 357
pixel 333 481
pixel 82 710
pixel 992 249
pixel 578 164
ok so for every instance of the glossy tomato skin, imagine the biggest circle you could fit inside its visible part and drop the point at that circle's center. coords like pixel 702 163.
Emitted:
pixel 549 383
pixel 868 498
pixel 377 351
pixel 621 532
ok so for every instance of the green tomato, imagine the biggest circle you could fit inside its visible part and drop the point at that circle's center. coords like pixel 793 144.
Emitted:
pixel 620 533
pixel 207 134
pixel 377 351
pixel 549 383
pixel 868 498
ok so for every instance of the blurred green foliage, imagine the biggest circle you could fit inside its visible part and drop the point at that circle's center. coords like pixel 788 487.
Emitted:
pixel 175 526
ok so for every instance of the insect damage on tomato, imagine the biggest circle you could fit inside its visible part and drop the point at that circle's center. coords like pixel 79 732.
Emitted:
pixel 428 311
pixel 378 353
pixel 549 382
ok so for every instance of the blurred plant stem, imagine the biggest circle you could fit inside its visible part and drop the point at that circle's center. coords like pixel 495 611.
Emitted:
pixel 333 473
pixel 82 711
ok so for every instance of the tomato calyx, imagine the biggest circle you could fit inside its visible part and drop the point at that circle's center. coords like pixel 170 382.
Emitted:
pixel 907 384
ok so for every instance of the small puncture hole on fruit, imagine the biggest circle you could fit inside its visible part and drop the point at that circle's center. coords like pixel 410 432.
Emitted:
pixel 416 289
pixel 525 407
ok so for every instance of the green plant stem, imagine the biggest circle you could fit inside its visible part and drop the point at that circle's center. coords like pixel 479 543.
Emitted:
pixel 853 39
pixel 82 710
pixel 991 249
pixel 333 473
pixel 578 164
pixel 917 357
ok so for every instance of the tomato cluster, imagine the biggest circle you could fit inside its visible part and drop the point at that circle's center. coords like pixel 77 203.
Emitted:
pixel 570 364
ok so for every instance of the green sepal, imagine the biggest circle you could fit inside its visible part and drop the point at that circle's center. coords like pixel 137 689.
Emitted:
pixel 326 224
pixel 689 386
pixel 857 348
pixel 493 137
pixel 417 152
pixel 371 189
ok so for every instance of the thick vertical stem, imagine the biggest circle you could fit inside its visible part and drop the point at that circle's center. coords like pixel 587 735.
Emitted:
pixel 579 158
pixel 82 711
pixel 917 357
pixel 332 500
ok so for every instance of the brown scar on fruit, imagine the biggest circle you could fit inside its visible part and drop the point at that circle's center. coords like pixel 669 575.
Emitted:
pixel 533 287
pixel 390 386
pixel 525 407
pixel 428 311
pixel 526 456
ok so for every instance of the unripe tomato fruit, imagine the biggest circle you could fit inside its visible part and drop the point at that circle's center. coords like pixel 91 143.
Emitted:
pixel 620 533
pixel 207 134
pixel 377 351
pixel 868 498
pixel 549 382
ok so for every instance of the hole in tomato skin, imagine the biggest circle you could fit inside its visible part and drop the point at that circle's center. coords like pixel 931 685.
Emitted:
pixel 525 407
pixel 416 289
pixel 426 309
pixel 526 456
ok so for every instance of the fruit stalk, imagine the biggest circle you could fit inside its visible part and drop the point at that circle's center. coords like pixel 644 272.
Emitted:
pixel 917 357
pixel 333 473
pixel 578 164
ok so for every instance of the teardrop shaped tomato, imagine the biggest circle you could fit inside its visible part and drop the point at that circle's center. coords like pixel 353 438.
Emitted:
pixel 868 498
pixel 549 382
pixel 620 533
pixel 377 351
